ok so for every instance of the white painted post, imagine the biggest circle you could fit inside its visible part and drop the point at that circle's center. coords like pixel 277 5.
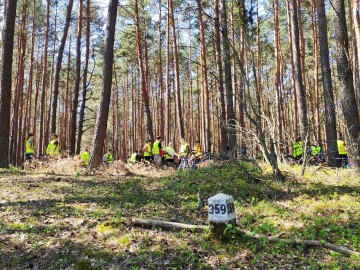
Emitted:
pixel 221 212
pixel 221 208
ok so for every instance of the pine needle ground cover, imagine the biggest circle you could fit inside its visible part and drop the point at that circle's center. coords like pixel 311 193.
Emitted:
pixel 85 222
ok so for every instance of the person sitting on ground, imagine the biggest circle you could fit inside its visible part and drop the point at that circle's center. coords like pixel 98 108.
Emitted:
pixel 134 158
pixel 29 147
pixel 297 149
pixel 316 152
pixel 169 153
pixel 85 157
pixel 198 152
pixel 156 150
pixel 108 157
pixel 342 152
pixel 51 146
pixel 147 151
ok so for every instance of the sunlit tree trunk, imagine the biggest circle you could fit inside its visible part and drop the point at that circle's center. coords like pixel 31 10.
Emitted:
pixel 300 91
pixel 330 116
pixel 103 113
pixel 348 100
pixel 84 79
pixel 76 90
pixel 6 80
pixel 220 83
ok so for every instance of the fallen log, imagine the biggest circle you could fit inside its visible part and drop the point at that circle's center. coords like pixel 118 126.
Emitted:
pixel 169 225
pixel 201 228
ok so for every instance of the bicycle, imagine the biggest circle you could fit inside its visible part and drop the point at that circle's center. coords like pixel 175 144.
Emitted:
pixel 187 163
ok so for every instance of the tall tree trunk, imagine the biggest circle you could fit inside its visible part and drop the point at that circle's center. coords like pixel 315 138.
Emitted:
pixel 161 84
pixel 77 82
pixel 348 100
pixel 58 66
pixel 231 122
pixel 103 113
pixel 205 81
pixel 168 81
pixel 6 80
pixel 278 85
pixel 180 120
pixel 220 83
pixel 44 82
pixel 300 93
pixel 85 79
pixel 144 88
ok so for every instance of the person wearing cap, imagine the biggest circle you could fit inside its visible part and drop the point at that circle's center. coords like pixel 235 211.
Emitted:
pixel 51 147
pixel 156 150
pixel 147 151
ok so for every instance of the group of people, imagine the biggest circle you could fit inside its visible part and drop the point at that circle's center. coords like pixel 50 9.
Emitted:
pixel 316 152
pixel 157 152
pixel 51 150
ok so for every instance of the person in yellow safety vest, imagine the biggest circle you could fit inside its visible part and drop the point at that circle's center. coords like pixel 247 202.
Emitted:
pixel 134 158
pixel 51 146
pixel 29 147
pixel 342 151
pixel 198 152
pixel 297 149
pixel 108 157
pixel 85 157
pixel 56 152
pixel 156 150
pixel 184 148
pixel 169 153
pixel 315 149
pixel 147 150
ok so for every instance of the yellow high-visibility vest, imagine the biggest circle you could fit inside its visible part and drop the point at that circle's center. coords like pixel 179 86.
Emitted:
pixel 29 147
pixel 156 148
pixel 341 147
pixel 85 157
pixel 315 150
pixel 51 147
pixel 147 153
pixel 184 149
pixel 297 149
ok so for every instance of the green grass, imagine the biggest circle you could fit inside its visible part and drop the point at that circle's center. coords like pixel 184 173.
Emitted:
pixel 85 223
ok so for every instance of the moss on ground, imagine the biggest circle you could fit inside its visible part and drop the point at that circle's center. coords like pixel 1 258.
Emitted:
pixel 48 222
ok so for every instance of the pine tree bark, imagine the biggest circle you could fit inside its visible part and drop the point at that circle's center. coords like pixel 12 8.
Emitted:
pixel 103 113
pixel 44 82
pixel 84 79
pixel 300 92
pixel 6 80
pixel 231 119
pixel 330 116
pixel 77 83
pixel 205 81
pixel 220 83
pixel 348 100
pixel 144 88
pixel 180 120
pixel 58 66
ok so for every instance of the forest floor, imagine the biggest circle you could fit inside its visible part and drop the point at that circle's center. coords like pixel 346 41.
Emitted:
pixel 79 221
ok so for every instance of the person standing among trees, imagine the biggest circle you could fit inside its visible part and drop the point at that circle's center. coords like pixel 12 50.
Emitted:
pixel 184 149
pixel 157 148
pixel 51 146
pixel 29 147
pixel 342 152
